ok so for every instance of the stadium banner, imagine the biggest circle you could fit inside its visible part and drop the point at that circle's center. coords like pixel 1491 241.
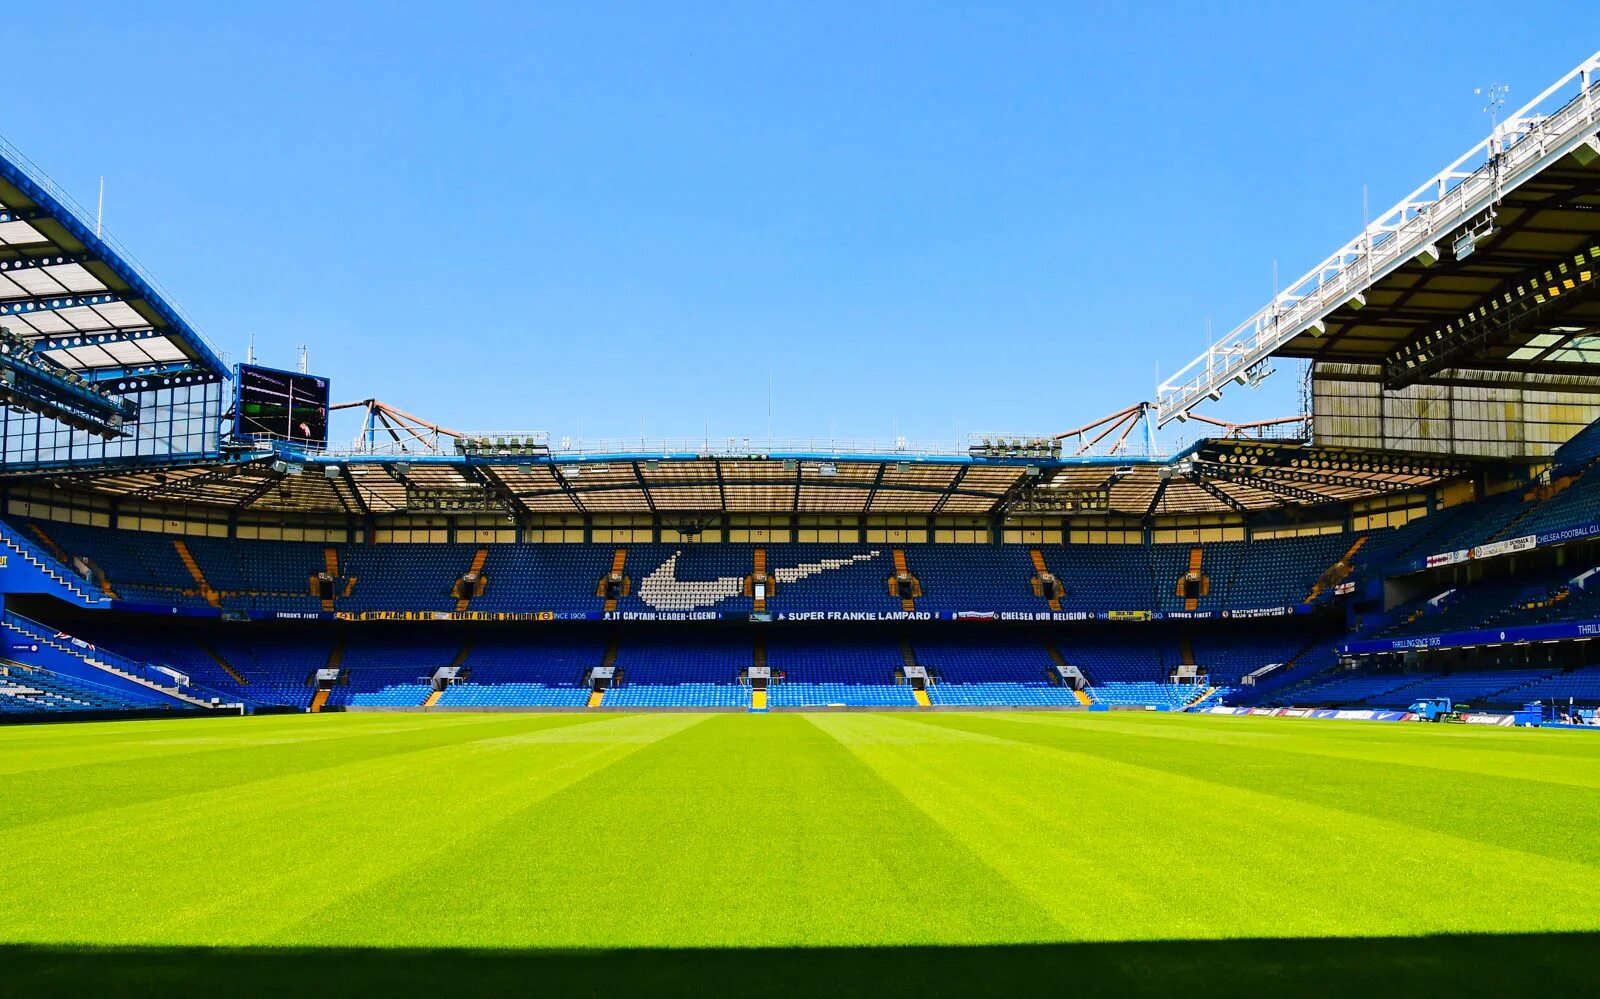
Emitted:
pixel 1554 631
pixel 1508 547
pixel 1497 548
pixel 1570 534
pixel 1253 612
pixel 1490 719
pixel 1338 714
pixel 1129 615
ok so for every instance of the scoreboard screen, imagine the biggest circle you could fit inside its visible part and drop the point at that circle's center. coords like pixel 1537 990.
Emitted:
pixel 281 405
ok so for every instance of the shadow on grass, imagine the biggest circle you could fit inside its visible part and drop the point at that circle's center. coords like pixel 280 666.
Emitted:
pixel 1457 965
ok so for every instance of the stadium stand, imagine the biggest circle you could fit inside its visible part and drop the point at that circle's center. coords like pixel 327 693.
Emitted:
pixel 1335 557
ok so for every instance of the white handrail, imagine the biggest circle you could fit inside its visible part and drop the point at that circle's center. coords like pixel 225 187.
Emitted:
pixel 1512 152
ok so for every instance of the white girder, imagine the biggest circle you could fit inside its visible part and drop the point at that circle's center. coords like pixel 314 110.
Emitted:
pixel 1548 127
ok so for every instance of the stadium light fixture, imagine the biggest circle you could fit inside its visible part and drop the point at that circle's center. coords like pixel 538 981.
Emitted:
pixel 1356 302
pixel 827 469
pixel 1428 255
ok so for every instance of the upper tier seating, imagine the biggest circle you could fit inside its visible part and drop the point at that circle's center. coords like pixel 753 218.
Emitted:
pixel 266 577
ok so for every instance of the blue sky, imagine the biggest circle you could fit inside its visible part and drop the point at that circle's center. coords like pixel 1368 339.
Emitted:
pixel 922 219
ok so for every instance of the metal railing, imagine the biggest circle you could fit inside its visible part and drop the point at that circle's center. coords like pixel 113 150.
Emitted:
pixel 1512 152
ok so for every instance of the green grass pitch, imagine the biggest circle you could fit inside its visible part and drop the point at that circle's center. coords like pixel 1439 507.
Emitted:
pixel 870 854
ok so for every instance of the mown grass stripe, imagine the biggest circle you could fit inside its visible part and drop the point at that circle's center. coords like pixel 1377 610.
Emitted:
pixel 1539 818
pixel 203 764
pixel 235 864
pixel 739 831
pixel 1122 851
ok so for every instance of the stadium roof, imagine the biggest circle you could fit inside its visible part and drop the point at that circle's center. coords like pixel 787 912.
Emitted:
pixel 75 295
pixel 1214 476
pixel 1422 290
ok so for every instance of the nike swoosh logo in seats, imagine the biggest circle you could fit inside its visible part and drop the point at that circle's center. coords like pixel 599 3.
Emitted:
pixel 663 590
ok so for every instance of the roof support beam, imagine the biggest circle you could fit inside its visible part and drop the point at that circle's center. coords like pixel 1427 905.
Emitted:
pixel 76 341
pixel 1211 489
pixel 649 500
pixel 1514 307
pixel 1155 498
pixel 56 303
pixel 24 214
pixel 34 263
pixel 951 488
pixel 1294 493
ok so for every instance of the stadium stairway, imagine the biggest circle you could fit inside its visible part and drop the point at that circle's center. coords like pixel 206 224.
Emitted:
pixel 1336 572
pixel 609 659
pixel 136 679
pixel 1200 699
pixel 479 557
pixel 330 565
pixel 456 663
pixel 37 530
pixel 1196 559
pixel 619 560
pixel 1041 570
pixel 335 661
pixel 227 667
pixel 58 572
pixel 207 591
pixel 903 571
pixel 759 603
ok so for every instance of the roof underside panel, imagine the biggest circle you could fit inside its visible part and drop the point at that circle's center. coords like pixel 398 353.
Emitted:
pixel 51 258
pixel 1216 477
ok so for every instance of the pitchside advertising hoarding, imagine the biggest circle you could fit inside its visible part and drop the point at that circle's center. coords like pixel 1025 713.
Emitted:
pixel 281 406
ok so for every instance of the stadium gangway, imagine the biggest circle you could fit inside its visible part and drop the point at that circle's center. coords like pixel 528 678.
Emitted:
pixel 1553 124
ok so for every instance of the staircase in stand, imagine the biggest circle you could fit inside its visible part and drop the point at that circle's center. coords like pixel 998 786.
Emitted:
pixel 1196 558
pixel 58 572
pixel 100 659
pixel 1336 573
pixel 1041 573
pixel 619 561
pixel 903 571
pixel 49 544
pixel 212 597
pixel 609 661
pixel 759 572
pixel 1197 701
pixel 335 661
pixel 479 558
pixel 227 667
pixel 330 564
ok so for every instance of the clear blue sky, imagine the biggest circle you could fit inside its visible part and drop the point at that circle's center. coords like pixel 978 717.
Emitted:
pixel 922 218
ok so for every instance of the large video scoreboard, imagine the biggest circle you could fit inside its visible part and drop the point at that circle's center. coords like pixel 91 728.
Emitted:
pixel 281 405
